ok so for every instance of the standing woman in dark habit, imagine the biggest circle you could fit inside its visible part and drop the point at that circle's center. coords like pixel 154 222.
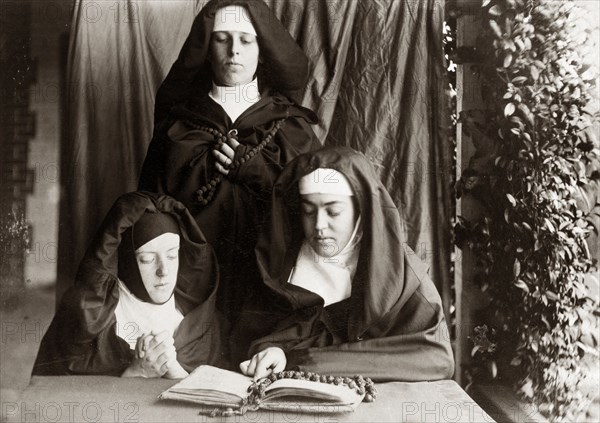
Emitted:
pixel 227 122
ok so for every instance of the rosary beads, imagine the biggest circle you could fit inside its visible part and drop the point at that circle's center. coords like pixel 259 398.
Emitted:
pixel 358 383
pixel 206 192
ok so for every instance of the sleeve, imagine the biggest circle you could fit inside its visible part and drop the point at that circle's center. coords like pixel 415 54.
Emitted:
pixel 258 173
pixel 179 162
pixel 423 356
pixel 64 352
pixel 411 344
pixel 199 340
pixel 153 168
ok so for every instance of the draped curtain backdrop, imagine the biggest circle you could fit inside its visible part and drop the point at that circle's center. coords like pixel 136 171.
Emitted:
pixel 377 84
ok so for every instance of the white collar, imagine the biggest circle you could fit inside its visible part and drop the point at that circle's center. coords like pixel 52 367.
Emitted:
pixel 328 277
pixel 136 317
pixel 237 99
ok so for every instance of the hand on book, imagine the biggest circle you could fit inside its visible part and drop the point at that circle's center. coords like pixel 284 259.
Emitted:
pixel 155 354
pixel 270 360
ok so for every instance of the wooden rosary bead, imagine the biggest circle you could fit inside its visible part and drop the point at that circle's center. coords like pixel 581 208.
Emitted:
pixel 206 192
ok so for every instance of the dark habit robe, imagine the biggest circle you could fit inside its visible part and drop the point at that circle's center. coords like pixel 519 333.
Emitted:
pixel 82 338
pixel 180 161
pixel 392 327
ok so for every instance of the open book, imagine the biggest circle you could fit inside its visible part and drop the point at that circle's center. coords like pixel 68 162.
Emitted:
pixel 212 386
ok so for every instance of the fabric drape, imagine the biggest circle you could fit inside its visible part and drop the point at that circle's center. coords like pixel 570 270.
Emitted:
pixel 375 81
pixel 392 107
pixel 119 52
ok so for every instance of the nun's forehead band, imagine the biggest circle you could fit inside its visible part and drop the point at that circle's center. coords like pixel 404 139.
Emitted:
pixel 325 181
pixel 233 18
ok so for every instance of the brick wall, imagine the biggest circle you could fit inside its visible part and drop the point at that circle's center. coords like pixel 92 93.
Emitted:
pixel 49 44
pixel 17 127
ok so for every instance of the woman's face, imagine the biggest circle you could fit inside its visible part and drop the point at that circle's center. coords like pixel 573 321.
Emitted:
pixel 328 222
pixel 233 57
pixel 158 261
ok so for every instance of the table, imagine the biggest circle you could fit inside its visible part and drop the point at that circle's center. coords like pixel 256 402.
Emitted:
pixel 111 399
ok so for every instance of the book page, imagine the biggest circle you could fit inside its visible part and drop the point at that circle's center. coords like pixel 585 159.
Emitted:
pixel 315 390
pixel 207 379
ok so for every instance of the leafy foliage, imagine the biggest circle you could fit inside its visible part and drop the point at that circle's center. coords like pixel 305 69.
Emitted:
pixel 530 246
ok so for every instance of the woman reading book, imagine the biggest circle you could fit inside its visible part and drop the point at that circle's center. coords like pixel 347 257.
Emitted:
pixel 362 301
pixel 143 303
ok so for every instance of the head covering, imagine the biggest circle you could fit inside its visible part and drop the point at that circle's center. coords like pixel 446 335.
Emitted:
pixel 284 66
pixel 325 181
pixel 233 18
pixel 382 280
pixel 151 225
pixel 148 227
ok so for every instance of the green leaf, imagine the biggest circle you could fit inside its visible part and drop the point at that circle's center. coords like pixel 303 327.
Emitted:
pixel 534 72
pixel 522 285
pixel 496 28
pixel 507 60
pixel 485 3
pixel 508 28
pixel 519 79
pixel 535 346
pixel 549 225
pixel 511 199
pixel 493 368
pixel 495 10
pixel 519 43
pixel 527 388
pixel 509 109
pixel 552 296
pixel 516 268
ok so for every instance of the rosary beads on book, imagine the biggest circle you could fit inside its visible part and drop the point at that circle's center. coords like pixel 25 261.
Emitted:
pixel 360 384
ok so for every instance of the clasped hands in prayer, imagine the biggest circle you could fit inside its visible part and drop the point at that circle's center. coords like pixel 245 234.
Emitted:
pixel 225 155
pixel 155 356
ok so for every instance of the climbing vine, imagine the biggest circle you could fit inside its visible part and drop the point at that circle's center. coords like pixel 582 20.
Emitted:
pixel 530 245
